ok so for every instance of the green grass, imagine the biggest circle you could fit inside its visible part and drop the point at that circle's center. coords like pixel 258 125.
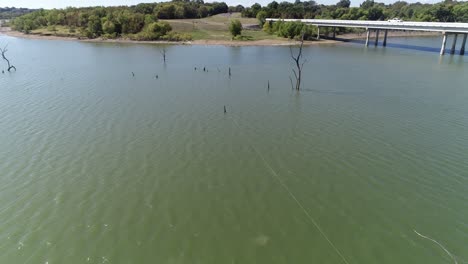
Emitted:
pixel 260 35
pixel 216 28
pixel 61 31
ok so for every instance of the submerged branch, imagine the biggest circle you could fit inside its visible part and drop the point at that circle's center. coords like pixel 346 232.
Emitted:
pixel 3 51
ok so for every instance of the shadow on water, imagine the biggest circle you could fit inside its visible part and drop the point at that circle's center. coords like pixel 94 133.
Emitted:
pixel 397 45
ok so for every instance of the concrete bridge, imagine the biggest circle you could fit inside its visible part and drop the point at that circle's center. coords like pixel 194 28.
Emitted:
pixel 445 29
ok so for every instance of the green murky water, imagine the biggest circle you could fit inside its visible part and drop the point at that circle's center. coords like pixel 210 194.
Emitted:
pixel 98 166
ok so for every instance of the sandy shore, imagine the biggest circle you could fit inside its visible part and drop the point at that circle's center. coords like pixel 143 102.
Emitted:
pixel 266 42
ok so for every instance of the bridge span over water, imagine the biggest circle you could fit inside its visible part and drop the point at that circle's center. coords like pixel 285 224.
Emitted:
pixel 445 29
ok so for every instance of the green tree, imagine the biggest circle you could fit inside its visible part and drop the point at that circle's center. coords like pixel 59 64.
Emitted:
pixel 165 11
pixel 235 27
pixel 367 4
pixel 179 12
pixel 83 19
pixel 52 17
pixel 343 3
pixel 219 8
pixel 202 12
pixel 150 19
pixel 460 12
pixel 375 13
pixel 255 9
pixel 108 27
pixel 94 26
pixel 443 13
pixel 144 8
pixel 261 16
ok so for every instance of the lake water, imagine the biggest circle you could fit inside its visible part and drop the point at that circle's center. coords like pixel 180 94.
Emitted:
pixel 98 166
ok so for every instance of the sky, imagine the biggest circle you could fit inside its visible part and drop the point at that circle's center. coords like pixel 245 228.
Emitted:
pixel 48 4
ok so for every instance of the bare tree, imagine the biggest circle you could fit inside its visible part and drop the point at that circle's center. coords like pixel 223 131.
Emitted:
pixel 3 51
pixel 163 53
pixel 299 63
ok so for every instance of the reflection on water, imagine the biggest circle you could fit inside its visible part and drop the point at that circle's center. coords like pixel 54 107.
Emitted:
pixel 425 43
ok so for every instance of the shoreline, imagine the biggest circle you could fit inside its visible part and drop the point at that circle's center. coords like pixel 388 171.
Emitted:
pixel 229 43
pixel 208 42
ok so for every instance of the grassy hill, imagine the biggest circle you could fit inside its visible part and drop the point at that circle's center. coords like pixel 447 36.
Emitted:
pixel 209 28
pixel 216 27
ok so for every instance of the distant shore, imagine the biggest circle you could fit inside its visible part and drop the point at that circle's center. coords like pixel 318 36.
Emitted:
pixel 264 42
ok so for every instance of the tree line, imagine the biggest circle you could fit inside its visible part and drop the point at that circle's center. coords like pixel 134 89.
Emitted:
pixel 12 12
pixel 140 22
pixel 447 11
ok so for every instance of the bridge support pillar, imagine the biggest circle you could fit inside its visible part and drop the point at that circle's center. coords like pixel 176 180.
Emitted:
pixel 367 37
pixel 376 37
pixel 454 43
pixel 334 32
pixel 385 38
pixel 444 42
pixel 318 33
pixel 462 50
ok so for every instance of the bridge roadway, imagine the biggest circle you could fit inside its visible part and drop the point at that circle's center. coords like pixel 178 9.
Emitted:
pixel 445 29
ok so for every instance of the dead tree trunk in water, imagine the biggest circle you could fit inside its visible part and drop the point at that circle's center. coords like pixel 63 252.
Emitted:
pixel 3 51
pixel 299 63
pixel 163 53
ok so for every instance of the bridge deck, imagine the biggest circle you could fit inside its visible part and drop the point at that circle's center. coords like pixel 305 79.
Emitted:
pixel 416 26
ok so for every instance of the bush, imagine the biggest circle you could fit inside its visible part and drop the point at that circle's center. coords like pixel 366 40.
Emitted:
pixel 154 31
pixel 86 33
pixel 174 36
pixel 267 27
pixel 171 36
pixel 276 26
pixel 160 28
pixel 143 36
pixel 109 36
pixel 291 30
pixel 310 32
pixel 235 27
